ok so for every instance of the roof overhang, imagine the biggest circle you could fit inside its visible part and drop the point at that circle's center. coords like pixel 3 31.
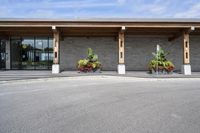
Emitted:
pixel 184 23
pixel 98 27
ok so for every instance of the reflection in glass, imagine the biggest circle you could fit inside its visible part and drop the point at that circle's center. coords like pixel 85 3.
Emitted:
pixel 16 61
pixel 31 53
pixel 50 53
pixel 2 54
pixel 41 53
pixel 27 53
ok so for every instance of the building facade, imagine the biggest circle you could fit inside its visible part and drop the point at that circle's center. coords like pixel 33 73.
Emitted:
pixel 121 44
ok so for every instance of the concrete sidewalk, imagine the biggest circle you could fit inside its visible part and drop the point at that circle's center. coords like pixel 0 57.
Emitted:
pixel 137 74
pixel 25 74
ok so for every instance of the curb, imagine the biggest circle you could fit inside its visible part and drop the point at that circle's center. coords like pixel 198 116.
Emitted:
pixel 93 77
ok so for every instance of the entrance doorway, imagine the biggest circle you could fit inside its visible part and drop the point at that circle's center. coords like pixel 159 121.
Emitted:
pixel 31 53
pixel 2 54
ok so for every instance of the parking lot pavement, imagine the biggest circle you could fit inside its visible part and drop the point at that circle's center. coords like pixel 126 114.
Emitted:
pixel 100 104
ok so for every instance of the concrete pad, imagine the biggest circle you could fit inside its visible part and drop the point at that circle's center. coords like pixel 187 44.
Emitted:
pixel 55 68
pixel 186 69
pixel 121 69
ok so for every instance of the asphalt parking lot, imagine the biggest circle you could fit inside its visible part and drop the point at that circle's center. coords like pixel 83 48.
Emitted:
pixel 100 104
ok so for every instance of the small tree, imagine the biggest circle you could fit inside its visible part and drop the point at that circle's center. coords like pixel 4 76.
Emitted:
pixel 160 63
pixel 90 63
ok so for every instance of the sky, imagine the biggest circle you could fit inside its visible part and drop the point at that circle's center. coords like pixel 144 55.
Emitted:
pixel 99 9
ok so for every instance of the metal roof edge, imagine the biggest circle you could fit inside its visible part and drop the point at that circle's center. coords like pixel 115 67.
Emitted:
pixel 166 20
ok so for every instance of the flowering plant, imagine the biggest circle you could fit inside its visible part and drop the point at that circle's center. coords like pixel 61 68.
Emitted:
pixel 89 64
pixel 160 63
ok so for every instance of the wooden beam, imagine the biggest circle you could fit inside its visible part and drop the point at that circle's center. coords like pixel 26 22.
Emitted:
pixel 29 34
pixel 174 37
pixel 89 35
pixel 186 48
pixel 179 34
pixel 121 48
pixel 102 24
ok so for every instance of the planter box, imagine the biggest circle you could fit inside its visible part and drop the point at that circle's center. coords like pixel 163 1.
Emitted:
pixel 160 72
pixel 92 71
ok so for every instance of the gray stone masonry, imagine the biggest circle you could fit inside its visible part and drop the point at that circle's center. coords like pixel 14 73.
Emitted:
pixel 138 51
pixel 75 48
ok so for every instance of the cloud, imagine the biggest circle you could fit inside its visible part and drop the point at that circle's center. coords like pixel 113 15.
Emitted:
pixel 147 9
pixel 64 4
pixel 4 11
pixel 52 8
pixel 43 14
pixel 121 1
pixel 153 9
pixel 99 8
pixel 192 12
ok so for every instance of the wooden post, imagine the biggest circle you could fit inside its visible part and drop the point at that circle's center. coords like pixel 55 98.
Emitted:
pixel 186 67
pixel 121 66
pixel 56 46
pixel 56 50
pixel 121 47
pixel 186 48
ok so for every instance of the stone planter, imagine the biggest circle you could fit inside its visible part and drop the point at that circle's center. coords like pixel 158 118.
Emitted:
pixel 97 71
pixel 92 71
pixel 160 72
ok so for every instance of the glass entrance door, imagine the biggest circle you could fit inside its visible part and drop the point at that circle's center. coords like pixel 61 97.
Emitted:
pixel 2 55
pixel 31 53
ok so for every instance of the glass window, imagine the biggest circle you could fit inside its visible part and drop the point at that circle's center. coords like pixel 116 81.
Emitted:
pixel 16 62
pixel 31 53
pixel 50 52
pixel 2 54
pixel 27 53
pixel 41 53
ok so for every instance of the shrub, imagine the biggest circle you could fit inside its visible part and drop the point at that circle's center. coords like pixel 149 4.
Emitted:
pixel 90 63
pixel 160 63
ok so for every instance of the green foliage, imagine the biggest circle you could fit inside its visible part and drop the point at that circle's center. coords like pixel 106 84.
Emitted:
pixel 83 62
pixel 90 63
pixel 160 63
pixel 160 55
pixel 91 56
pixel 90 52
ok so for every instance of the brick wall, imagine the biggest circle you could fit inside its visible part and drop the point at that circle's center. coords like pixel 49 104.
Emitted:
pixel 75 48
pixel 138 51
